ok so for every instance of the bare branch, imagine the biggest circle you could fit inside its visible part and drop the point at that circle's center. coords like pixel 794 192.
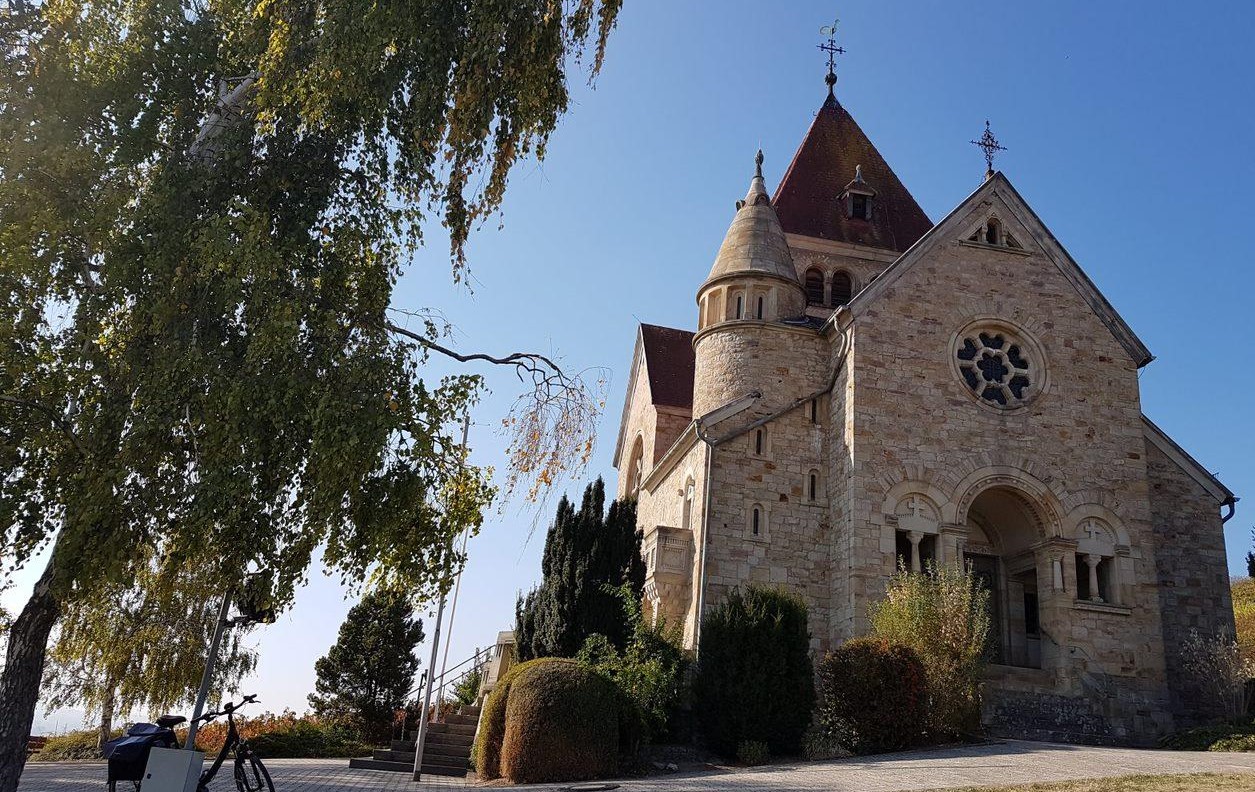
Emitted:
pixel 52 414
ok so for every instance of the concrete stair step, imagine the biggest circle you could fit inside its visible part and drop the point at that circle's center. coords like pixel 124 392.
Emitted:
pixel 462 720
pixel 458 752
pixel 435 738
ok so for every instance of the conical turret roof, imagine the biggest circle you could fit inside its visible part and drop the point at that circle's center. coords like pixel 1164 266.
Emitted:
pixel 808 201
pixel 755 242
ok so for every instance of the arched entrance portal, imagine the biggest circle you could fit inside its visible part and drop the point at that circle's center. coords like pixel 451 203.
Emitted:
pixel 1004 529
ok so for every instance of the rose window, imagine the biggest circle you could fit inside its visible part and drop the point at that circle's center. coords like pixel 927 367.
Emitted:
pixel 994 365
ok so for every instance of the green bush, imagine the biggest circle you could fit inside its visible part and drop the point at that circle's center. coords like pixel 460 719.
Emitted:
pixel 649 672
pixel 752 752
pixel 75 746
pixel 943 614
pixel 754 677
pixel 1234 736
pixel 486 752
pixel 818 744
pixel 873 696
pixel 561 724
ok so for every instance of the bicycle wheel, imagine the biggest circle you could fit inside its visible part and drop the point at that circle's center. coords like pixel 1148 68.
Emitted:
pixel 251 774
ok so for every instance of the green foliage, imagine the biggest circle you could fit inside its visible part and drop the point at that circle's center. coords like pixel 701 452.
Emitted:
pixel 943 614
pixel 204 210
pixel 1236 735
pixel 873 696
pixel 369 671
pixel 74 746
pixel 561 724
pixel 818 744
pixel 588 554
pixel 754 676
pixel 752 752
pixel 466 689
pixel 650 671
pixel 142 646
pixel 1243 591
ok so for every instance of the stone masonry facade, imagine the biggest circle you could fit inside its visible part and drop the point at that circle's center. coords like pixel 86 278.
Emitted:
pixel 867 390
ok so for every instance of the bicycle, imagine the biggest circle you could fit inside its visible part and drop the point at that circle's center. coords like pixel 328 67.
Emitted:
pixel 250 774
pixel 128 755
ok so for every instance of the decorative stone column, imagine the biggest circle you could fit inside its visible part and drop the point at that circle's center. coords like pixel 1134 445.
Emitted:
pixel 915 537
pixel 1092 560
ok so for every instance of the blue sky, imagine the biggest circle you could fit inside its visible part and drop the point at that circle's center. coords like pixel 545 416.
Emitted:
pixel 1129 132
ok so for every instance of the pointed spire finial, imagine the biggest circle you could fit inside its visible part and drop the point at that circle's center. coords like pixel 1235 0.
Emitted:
pixel 758 164
pixel 858 173
pixel 990 145
pixel 830 47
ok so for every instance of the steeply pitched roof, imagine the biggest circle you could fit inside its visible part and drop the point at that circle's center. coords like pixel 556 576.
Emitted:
pixel 669 360
pixel 808 201
pixel 755 243
pixel 998 190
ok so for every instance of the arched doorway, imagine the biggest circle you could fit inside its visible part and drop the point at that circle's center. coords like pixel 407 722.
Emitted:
pixel 1004 528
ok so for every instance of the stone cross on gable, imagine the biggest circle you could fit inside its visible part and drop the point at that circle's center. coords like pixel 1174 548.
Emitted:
pixel 1094 531
pixel 920 518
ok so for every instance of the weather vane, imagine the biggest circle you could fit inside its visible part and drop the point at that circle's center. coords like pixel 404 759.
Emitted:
pixel 990 145
pixel 830 47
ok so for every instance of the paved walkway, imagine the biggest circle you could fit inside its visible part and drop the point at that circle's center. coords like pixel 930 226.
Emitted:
pixel 993 764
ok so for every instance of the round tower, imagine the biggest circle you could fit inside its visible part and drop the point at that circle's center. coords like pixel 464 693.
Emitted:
pixel 748 305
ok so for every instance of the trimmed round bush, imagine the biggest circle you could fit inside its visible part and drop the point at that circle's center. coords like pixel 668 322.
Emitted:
pixel 873 696
pixel 486 753
pixel 550 720
pixel 754 675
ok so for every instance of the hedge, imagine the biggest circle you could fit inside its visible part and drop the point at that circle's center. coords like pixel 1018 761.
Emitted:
pixel 561 724
pixel 754 675
pixel 873 696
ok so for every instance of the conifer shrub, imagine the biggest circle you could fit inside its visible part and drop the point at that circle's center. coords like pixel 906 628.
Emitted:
pixel 561 724
pixel 873 696
pixel 754 676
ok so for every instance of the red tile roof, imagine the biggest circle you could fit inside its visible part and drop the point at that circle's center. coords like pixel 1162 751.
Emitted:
pixel 808 201
pixel 669 362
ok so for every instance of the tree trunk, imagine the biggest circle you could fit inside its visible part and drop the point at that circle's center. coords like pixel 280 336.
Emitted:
pixel 106 715
pixel 23 672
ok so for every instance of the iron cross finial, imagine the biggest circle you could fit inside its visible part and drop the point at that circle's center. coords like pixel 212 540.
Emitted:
pixel 830 47
pixel 990 145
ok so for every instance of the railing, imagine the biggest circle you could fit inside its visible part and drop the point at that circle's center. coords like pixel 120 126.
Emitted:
pixel 444 684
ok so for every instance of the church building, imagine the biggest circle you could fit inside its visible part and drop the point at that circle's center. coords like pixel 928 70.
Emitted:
pixel 867 388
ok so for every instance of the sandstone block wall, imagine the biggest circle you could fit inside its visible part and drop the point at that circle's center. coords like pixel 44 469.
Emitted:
pixel 1192 575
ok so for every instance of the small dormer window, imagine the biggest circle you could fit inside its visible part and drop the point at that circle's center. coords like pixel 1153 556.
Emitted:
pixel 858 197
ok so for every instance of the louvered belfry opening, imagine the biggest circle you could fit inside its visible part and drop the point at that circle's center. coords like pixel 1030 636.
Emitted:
pixel 842 288
pixel 814 287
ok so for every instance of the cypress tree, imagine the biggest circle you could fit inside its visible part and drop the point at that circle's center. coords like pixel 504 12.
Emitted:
pixel 587 552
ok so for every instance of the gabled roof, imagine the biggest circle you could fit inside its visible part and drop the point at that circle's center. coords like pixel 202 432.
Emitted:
pixel 999 187
pixel 1188 463
pixel 808 201
pixel 668 357
pixel 669 360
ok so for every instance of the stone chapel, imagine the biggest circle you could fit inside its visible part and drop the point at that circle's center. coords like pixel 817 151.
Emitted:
pixel 866 387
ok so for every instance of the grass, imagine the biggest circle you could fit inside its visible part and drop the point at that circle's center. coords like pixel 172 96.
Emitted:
pixel 1200 782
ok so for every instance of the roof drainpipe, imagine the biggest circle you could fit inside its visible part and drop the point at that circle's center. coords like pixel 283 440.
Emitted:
pixel 1232 503
pixel 701 567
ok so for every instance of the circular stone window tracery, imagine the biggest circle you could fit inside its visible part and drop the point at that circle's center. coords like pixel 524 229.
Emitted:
pixel 999 366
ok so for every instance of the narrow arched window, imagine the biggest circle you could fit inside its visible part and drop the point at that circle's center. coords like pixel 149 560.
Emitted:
pixel 812 486
pixel 814 411
pixel 740 306
pixel 761 303
pixel 991 231
pixel 842 288
pixel 760 440
pixel 814 287
pixel 687 519
pixel 756 521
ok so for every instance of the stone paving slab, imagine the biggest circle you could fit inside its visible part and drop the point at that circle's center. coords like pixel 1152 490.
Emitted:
pixel 1003 763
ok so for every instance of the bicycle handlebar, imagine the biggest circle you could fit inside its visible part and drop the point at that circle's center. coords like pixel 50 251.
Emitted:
pixel 228 708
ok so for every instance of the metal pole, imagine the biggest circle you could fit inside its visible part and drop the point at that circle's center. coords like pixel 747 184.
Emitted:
pixel 421 740
pixel 208 675
pixel 453 608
